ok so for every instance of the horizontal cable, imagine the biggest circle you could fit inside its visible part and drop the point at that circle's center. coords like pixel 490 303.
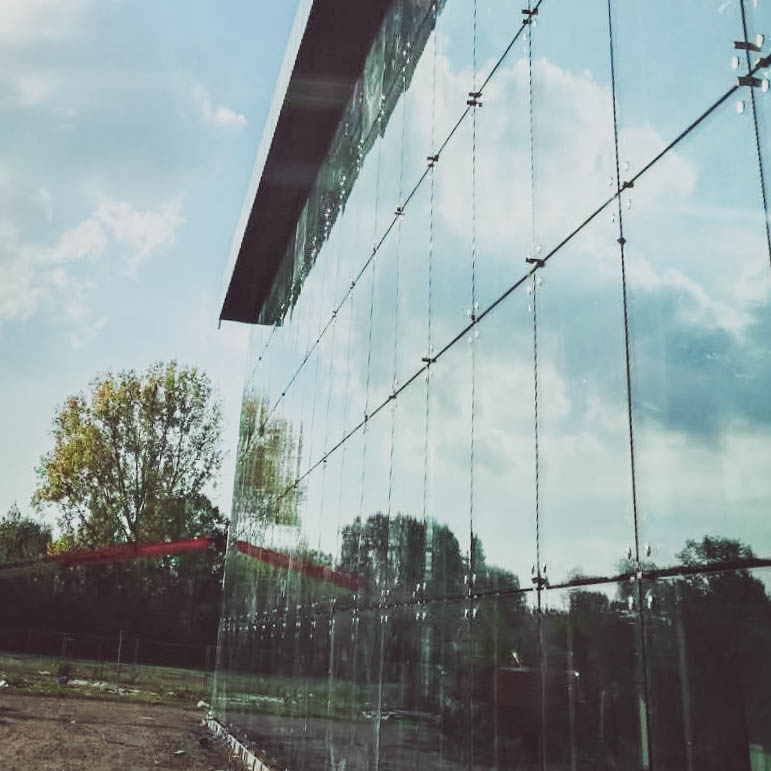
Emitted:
pixel 581 582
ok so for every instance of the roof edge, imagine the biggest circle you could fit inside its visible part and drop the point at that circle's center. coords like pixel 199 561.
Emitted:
pixel 274 111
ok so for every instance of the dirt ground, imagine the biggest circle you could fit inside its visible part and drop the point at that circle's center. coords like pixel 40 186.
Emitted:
pixel 67 733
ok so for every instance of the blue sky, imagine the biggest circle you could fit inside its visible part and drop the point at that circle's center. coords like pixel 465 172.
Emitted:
pixel 128 132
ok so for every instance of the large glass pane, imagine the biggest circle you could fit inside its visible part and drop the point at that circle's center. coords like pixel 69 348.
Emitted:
pixel 699 320
pixel 452 290
pixel 448 519
pixel 708 636
pixel 504 713
pixel 592 689
pixel 654 44
pixel 573 141
pixel 585 490
pixel 504 448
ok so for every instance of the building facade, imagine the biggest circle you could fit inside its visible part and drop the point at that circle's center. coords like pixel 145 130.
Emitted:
pixel 502 492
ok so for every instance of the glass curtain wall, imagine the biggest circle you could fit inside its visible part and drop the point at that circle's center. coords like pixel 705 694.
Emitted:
pixel 502 494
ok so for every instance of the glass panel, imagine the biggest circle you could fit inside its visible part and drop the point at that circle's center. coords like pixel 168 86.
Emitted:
pixel 592 690
pixel 504 695
pixel 452 296
pixel 587 523
pixel 699 318
pixel 655 42
pixel 447 507
pixel 411 718
pixel 574 158
pixel 413 243
pixel 708 638
pixel 504 465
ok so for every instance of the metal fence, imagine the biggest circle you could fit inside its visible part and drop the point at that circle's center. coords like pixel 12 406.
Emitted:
pixel 119 648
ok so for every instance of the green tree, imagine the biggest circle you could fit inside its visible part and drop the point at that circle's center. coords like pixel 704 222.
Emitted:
pixel 132 455
pixel 22 538
pixel 267 466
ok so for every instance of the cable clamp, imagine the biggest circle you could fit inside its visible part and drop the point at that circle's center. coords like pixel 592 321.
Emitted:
pixel 749 80
pixel 429 360
pixel 473 100
pixel 622 240
pixel 627 185
pixel 535 261
pixel 399 211
pixel 744 45
pixel 528 15
pixel 432 160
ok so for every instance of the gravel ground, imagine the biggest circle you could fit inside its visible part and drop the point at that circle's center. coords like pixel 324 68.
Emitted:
pixel 68 733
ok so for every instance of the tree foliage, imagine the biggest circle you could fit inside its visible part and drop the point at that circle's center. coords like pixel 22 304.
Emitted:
pixel 132 455
pixel 267 468
pixel 22 538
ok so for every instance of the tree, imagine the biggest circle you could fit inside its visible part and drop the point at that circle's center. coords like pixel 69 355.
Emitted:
pixel 132 454
pixel 269 453
pixel 22 538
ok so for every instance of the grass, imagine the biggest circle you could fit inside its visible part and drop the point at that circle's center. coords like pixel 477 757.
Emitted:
pixel 32 676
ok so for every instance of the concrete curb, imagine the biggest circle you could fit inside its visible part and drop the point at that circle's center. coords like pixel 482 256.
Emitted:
pixel 250 761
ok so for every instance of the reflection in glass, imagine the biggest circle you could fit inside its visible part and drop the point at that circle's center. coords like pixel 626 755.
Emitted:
pixel 418 575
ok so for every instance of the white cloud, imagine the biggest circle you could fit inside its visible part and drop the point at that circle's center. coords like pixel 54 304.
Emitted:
pixel 24 20
pixel 219 116
pixel 574 158
pixel 31 274
pixel 143 231
pixel 86 241
pixel 84 324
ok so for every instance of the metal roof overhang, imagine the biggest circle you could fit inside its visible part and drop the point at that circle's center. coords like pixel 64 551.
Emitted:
pixel 329 47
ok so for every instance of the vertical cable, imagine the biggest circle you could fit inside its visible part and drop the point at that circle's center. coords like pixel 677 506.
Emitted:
pixel 538 577
pixel 534 248
pixel 630 421
pixel 371 319
pixel 395 366
pixel 427 521
pixel 761 170
pixel 356 610
pixel 472 314
pixel 387 579
pixel 331 372
pixel 429 302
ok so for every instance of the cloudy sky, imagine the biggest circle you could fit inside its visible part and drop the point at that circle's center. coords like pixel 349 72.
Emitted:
pixel 128 132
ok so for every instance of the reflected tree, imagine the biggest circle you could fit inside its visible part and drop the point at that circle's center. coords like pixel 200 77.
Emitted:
pixel 267 466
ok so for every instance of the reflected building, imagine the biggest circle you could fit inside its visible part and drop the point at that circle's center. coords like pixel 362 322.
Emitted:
pixel 502 492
